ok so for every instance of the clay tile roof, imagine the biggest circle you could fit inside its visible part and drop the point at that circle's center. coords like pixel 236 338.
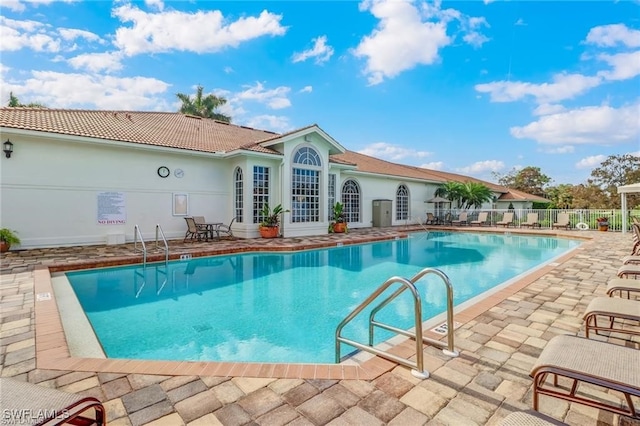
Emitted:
pixel 168 129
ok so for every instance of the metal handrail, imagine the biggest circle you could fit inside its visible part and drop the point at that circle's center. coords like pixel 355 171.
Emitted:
pixel 417 367
pixel 136 234
pixel 159 232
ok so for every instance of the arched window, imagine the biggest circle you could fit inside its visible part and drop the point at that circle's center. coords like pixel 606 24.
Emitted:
pixel 305 185
pixel 402 202
pixel 351 200
pixel 238 194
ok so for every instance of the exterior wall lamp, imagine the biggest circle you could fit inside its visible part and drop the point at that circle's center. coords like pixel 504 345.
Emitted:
pixel 7 147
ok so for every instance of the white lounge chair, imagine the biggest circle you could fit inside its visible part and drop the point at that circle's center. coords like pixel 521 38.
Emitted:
pixel 562 221
pixel 507 219
pixel 482 219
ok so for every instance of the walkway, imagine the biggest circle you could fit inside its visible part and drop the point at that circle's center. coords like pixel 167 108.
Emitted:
pixel 499 341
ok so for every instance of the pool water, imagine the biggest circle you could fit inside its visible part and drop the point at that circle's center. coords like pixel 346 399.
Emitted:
pixel 285 307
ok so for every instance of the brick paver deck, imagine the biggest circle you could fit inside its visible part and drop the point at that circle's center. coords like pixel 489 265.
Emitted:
pixel 499 340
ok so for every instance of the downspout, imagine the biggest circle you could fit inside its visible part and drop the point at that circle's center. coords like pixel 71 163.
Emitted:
pixel 282 185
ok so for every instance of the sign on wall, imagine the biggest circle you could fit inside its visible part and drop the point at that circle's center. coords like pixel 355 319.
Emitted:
pixel 111 208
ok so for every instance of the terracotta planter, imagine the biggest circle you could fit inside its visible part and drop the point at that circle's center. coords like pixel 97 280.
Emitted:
pixel 269 231
pixel 603 226
pixel 4 247
pixel 339 228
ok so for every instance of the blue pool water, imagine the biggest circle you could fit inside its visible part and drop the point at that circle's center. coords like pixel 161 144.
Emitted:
pixel 284 307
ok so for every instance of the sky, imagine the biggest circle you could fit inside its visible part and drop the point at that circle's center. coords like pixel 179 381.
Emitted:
pixel 472 87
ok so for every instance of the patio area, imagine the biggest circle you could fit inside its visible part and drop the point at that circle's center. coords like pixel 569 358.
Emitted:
pixel 499 340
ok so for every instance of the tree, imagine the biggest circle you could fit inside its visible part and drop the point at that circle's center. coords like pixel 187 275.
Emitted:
pixel 615 171
pixel 14 102
pixel 561 196
pixel 529 179
pixel 203 106
pixel 467 194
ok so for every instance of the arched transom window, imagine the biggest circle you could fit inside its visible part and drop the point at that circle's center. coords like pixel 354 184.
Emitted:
pixel 402 202
pixel 351 200
pixel 305 185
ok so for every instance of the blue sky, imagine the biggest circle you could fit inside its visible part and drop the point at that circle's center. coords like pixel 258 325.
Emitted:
pixel 470 87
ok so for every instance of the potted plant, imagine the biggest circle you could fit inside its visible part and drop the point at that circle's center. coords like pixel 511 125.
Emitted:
pixel 270 225
pixel 603 223
pixel 7 239
pixel 338 223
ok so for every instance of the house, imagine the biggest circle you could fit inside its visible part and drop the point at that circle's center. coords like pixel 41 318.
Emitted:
pixel 80 177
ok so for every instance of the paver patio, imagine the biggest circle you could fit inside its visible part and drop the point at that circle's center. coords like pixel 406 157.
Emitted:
pixel 499 340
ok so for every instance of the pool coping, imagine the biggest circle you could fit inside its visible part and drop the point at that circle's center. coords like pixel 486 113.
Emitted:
pixel 52 350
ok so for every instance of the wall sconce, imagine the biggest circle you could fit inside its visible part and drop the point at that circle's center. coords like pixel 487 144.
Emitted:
pixel 7 147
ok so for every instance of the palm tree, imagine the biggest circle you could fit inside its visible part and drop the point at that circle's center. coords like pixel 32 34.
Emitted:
pixel 476 194
pixel 14 102
pixel 453 191
pixel 203 106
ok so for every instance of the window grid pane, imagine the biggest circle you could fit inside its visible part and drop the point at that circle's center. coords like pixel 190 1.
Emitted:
pixel 351 200
pixel 307 156
pixel 260 191
pixel 402 203
pixel 239 195
pixel 305 195
pixel 332 195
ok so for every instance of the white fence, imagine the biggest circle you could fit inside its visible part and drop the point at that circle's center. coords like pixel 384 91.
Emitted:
pixel 578 218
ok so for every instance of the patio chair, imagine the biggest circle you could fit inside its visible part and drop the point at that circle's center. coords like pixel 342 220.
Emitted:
pixel 431 220
pixel 621 285
pixel 529 418
pixel 51 406
pixel 225 229
pixel 461 220
pixel 507 220
pixel 632 258
pixel 532 220
pixel 194 231
pixel 581 360
pixel 447 219
pixel 482 219
pixel 612 308
pixel 562 221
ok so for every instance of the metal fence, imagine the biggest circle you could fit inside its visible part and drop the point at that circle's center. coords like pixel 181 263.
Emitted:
pixel 578 218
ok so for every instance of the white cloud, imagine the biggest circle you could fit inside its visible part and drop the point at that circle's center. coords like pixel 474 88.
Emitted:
pixel 401 40
pixel 391 152
pixel 601 125
pixel 612 35
pixel 546 109
pixel 20 5
pixel 269 122
pixel 520 23
pixel 434 165
pixel 155 4
pixel 196 32
pixel 564 86
pixel 71 34
pixel 320 51
pixel 590 162
pixel 482 167
pixel 228 70
pixel 33 35
pixel 274 98
pixel 95 62
pixel 103 92
pixel 625 65
pixel 306 89
pixel 564 149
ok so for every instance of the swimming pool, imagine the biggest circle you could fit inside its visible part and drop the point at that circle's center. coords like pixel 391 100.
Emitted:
pixel 284 307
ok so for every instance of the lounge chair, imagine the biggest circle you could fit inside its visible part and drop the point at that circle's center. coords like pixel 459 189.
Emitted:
pixel 30 403
pixel 431 220
pixel 633 259
pixel 532 220
pixel 507 219
pixel 461 220
pixel 621 285
pixel 529 418
pixel 194 231
pixel 447 219
pixel 628 271
pixel 583 360
pixel 612 308
pixel 562 221
pixel 482 219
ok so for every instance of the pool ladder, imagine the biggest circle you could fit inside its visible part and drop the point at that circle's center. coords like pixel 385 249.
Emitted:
pixel 143 248
pixel 417 368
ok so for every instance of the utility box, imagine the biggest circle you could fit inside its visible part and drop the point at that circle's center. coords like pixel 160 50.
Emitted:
pixel 381 213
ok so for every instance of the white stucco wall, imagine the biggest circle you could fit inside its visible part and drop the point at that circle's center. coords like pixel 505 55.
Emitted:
pixel 50 188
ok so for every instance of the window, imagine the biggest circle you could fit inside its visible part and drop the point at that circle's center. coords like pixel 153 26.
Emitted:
pixel 238 195
pixel 305 186
pixel 351 200
pixel 402 202
pixel 260 191
pixel 332 195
